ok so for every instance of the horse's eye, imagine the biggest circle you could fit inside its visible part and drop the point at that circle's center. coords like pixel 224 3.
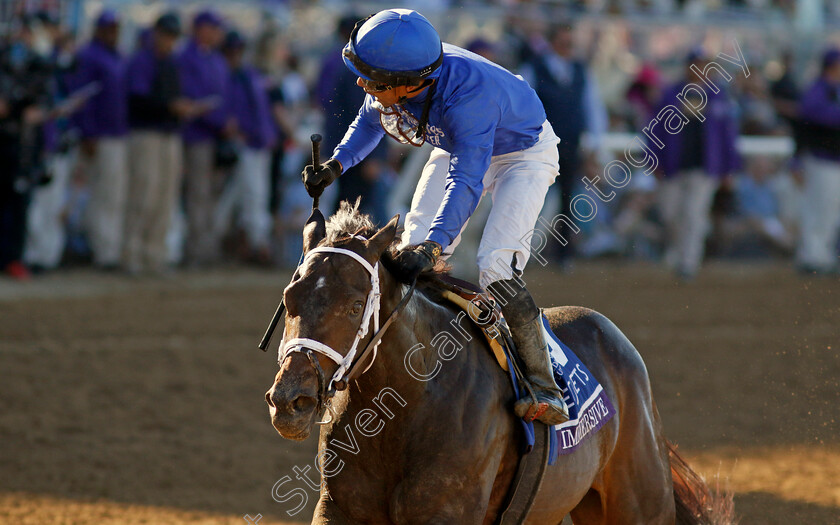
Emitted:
pixel 357 308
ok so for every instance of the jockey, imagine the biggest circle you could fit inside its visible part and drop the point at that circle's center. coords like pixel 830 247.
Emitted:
pixel 490 134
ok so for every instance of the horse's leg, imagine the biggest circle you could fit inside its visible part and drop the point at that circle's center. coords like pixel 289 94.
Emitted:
pixel 590 510
pixel 635 487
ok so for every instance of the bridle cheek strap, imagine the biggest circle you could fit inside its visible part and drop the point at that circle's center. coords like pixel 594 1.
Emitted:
pixel 371 310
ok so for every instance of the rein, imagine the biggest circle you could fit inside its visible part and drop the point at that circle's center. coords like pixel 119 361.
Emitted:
pixel 349 367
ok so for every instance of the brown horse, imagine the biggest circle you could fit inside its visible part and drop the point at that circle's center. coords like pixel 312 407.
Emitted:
pixel 426 435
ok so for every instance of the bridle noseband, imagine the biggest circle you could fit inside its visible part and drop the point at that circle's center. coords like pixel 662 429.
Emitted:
pixel 348 365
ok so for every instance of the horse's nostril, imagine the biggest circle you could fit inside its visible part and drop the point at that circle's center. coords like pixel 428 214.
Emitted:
pixel 304 403
pixel 268 398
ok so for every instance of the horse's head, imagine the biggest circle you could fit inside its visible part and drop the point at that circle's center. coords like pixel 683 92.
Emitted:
pixel 329 299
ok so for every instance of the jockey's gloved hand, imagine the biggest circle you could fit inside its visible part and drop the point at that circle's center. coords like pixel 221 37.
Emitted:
pixel 316 181
pixel 413 261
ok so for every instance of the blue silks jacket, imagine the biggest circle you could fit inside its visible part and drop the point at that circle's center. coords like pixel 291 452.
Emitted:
pixel 479 109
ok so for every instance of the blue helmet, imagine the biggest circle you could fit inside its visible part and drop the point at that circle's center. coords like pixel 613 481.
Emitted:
pixel 396 47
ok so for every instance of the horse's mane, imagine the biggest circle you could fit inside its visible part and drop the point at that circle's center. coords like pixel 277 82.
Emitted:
pixel 349 221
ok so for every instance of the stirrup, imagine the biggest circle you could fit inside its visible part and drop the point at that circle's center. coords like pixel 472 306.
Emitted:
pixel 538 409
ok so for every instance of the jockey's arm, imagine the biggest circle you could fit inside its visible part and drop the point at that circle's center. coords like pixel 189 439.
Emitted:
pixel 361 138
pixel 472 130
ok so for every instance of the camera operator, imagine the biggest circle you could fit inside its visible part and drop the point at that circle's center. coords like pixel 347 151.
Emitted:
pixel 25 92
pixel 45 232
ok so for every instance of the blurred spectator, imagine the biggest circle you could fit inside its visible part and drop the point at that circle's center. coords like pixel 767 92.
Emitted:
pixel 757 112
pixel 643 95
pixel 156 106
pixel 25 93
pixel 785 93
pixel 693 163
pixel 819 110
pixel 103 124
pixel 204 78
pixel 573 106
pixel 755 229
pixel 45 235
pixel 341 99
pixel 784 90
pixel 483 48
pixel 248 189
pixel 332 64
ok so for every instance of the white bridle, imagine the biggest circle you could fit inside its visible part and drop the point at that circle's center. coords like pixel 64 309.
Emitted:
pixel 300 344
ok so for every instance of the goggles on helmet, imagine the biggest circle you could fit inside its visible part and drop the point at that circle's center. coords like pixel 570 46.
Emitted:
pixel 372 86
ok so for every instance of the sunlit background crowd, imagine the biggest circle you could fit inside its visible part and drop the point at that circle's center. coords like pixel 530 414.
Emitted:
pixel 144 138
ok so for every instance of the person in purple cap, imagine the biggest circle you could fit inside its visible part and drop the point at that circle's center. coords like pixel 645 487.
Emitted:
pixel 819 112
pixel 249 189
pixel 156 109
pixel 204 78
pixel 103 125
pixel 694 162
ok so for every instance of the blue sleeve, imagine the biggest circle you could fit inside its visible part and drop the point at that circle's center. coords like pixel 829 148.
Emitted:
pixel 817 108
pixel 471 122
pixel 362 136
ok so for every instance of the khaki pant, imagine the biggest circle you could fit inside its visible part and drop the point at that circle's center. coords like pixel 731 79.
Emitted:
pixel 155 162
pixel 820 224
pixel 201 195
pixel 108 172
pixel 685 203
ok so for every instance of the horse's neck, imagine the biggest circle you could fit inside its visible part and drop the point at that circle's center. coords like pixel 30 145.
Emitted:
pixel 396 384
pixel 413 329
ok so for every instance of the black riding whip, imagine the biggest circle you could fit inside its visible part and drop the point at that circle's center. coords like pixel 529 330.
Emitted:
pixel 316 161
pixel 278 313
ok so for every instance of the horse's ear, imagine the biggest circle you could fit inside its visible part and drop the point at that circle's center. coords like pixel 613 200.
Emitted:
pixel 314 230
pixel 383 238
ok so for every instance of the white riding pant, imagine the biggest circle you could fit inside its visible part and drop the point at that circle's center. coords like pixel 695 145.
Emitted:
pixel 517 183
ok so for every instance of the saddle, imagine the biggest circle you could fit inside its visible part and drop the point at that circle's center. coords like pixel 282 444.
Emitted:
pixel 482 310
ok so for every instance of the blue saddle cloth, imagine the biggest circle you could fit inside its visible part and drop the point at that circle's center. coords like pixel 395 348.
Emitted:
pixel 589 406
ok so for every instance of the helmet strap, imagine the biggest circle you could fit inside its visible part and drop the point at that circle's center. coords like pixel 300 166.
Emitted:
pixel 427 105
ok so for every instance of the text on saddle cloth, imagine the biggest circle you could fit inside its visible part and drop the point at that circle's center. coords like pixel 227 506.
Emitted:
pixel 589 406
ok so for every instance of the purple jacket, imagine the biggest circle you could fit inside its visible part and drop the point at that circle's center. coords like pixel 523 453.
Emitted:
pixel 331 68
pixel 819 113
pixel 106 113
pixel 250 105
pixel 820 104
pixel 720 133
pixel 204 74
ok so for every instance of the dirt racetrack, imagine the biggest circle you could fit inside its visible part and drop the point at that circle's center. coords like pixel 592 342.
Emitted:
pixel 141 401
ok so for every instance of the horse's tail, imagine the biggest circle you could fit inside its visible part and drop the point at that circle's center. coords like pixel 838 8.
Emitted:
pixel 696 503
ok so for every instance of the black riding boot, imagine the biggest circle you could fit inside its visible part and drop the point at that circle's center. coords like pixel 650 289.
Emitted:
pixel 524 320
